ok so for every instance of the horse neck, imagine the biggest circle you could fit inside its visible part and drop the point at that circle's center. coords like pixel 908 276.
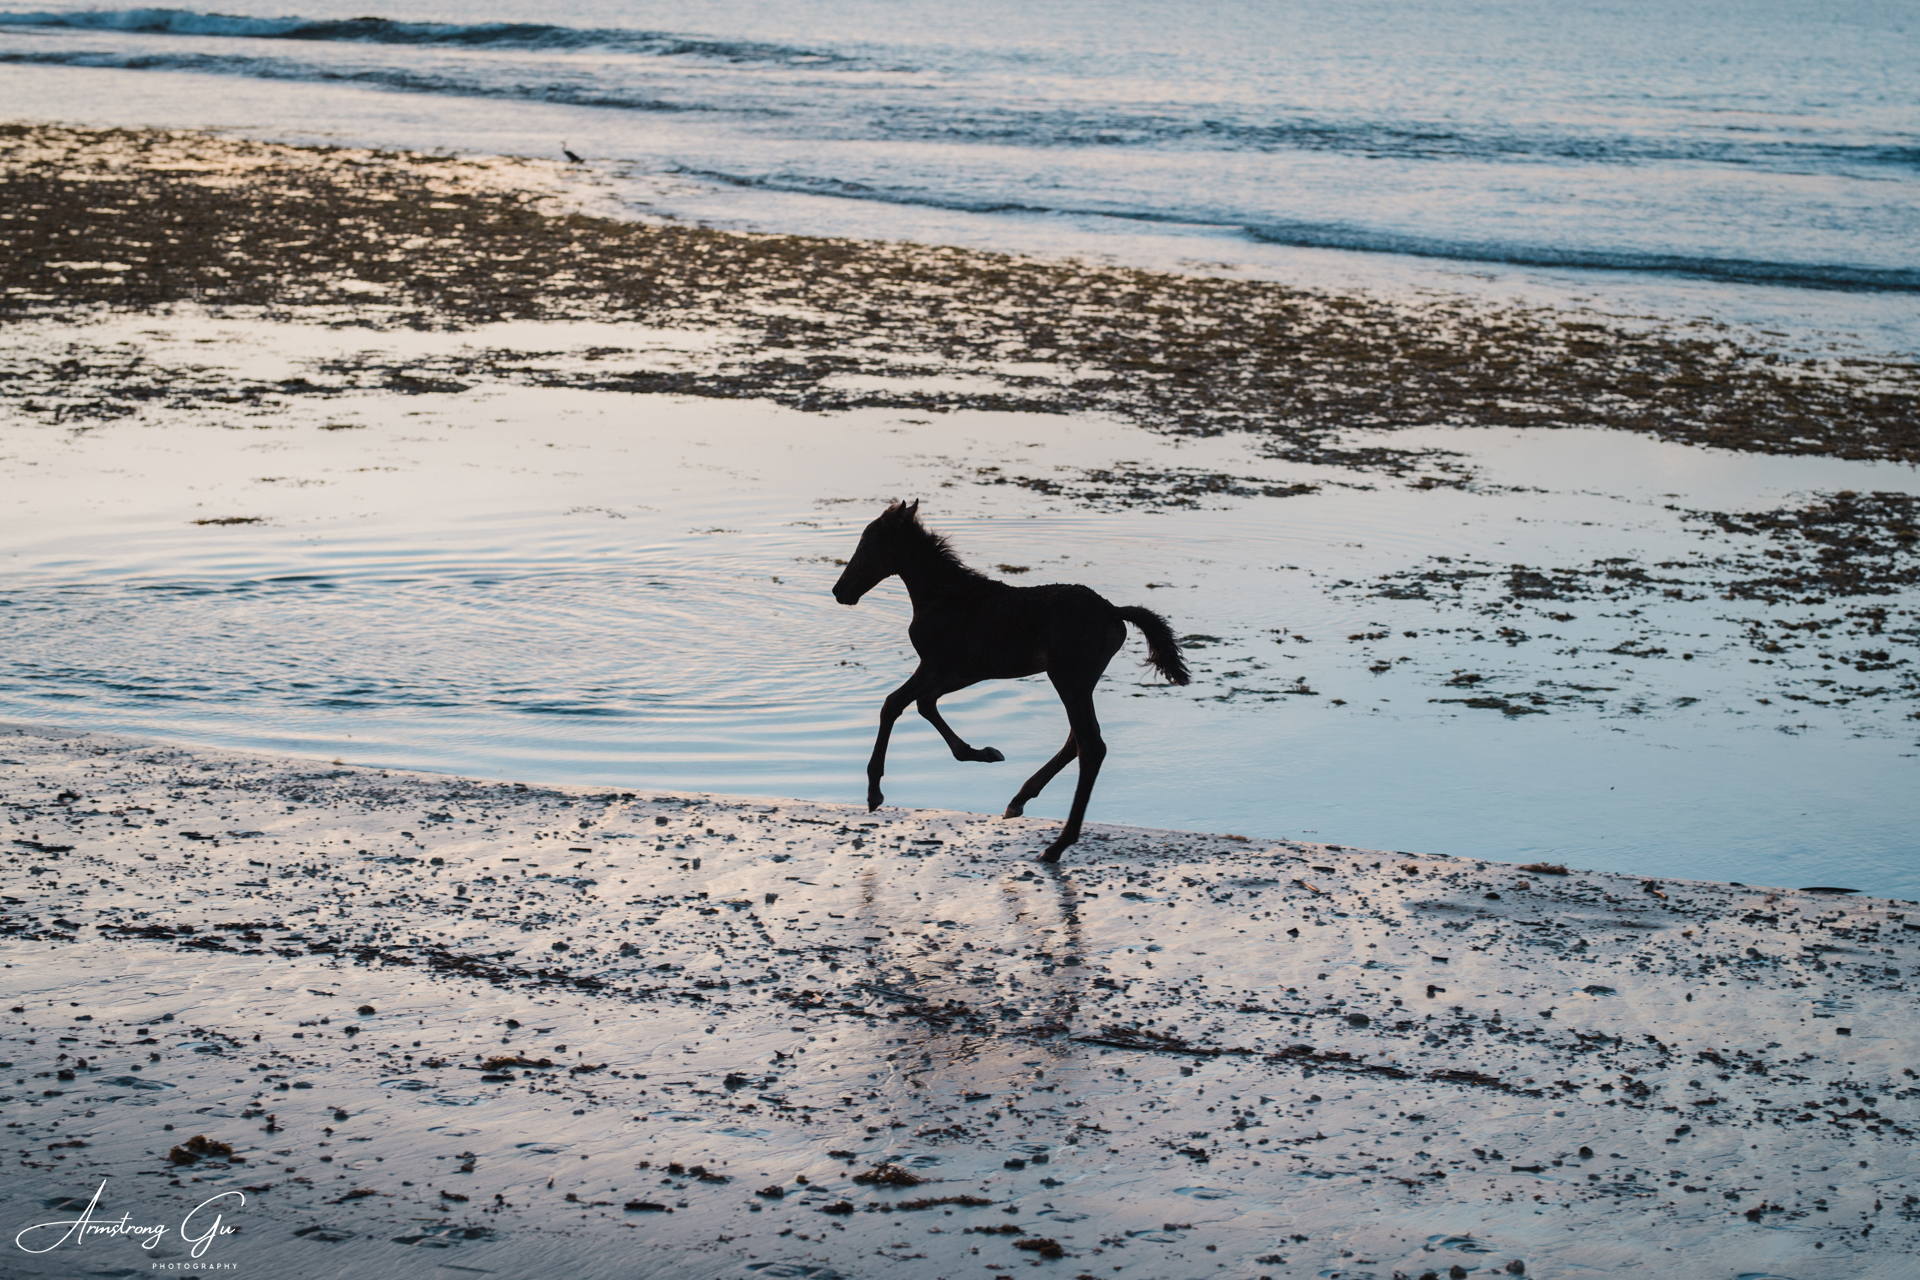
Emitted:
pixel 929 575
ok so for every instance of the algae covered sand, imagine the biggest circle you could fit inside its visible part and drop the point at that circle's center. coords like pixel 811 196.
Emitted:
pixel 147 219
pixel 448 1022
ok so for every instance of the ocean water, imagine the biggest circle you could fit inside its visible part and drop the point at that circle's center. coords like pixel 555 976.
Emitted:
pixel 1758 161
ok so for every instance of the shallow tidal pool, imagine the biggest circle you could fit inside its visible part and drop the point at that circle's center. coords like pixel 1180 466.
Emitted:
pixel 1545 645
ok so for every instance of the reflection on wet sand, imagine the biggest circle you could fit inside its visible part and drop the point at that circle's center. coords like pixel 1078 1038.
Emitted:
pixel 794 1039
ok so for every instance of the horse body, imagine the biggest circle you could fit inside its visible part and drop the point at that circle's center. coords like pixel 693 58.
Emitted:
pixel 998 631
pixel 967 628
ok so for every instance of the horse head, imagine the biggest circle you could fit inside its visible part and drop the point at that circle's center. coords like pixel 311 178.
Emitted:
pixel 877 557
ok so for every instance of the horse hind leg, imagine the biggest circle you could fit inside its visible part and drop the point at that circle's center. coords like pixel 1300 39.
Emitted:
pixel 961 751
pixel 1092 751
pixel 1033 786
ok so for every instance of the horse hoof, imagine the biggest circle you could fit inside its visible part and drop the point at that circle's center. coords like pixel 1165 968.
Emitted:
pixel 873 802
pixel 1053 853
pixel 1017 809
pixel 989 755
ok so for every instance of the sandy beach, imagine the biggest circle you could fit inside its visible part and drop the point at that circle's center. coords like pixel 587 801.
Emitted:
pixel 403 1023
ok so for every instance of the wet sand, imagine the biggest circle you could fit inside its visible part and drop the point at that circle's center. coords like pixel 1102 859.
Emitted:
pixel 445 1022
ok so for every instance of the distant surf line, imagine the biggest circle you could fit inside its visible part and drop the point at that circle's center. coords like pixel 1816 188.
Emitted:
pixel 370 30
pixel 1363 240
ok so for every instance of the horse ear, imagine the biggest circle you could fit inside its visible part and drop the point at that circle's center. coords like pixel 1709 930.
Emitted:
pixel 914 510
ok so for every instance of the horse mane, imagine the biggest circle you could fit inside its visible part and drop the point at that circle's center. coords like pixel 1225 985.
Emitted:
pixel 904 520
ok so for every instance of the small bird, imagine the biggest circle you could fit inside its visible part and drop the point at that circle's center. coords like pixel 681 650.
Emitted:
pixel 571 158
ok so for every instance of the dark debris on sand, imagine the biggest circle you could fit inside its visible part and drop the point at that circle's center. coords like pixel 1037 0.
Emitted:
pixel 1820 592
pixel 1352 1063
pixel 142 220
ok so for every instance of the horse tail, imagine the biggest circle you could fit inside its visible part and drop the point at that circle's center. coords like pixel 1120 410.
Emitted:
pixel 1163 651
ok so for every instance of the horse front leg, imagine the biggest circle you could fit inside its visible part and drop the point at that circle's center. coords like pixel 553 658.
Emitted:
pixel 890 710
pixel 1017 807
pixel 1093 749
pixel 961 751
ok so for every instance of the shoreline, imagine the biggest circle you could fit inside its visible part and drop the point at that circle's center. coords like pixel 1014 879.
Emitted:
pixel 688 1002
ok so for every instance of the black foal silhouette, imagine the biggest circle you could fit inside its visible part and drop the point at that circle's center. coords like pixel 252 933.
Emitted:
pixel 968 628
